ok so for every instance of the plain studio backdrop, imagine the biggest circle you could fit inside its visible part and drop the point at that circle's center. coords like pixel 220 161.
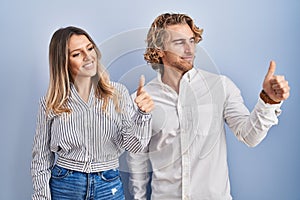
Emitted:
pixel 241 37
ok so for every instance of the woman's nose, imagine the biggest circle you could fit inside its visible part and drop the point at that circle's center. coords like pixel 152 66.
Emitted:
pixel 87 55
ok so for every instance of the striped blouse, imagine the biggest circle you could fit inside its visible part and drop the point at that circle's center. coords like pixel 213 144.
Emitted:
pixel 88 139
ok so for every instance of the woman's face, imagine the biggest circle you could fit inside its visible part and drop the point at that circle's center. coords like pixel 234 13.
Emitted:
pixel 82 58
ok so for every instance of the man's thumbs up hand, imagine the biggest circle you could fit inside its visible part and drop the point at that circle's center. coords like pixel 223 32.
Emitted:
pixel 275 86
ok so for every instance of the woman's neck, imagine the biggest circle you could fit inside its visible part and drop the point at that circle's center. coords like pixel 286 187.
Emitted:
pixel 83 88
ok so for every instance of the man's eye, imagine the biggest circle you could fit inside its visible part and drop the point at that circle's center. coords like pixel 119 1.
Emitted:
pixel 179 43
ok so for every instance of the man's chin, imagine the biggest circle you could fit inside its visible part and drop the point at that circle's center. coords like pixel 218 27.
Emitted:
pixel 186 68
pixel 188 65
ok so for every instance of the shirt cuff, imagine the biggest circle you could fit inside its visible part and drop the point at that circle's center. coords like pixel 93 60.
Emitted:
pixel 265 106
pixel 143 115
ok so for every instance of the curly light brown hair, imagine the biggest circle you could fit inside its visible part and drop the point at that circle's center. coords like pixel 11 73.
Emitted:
pixel 157 36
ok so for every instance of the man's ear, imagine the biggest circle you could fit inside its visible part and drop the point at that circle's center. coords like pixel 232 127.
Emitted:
pixel 160 53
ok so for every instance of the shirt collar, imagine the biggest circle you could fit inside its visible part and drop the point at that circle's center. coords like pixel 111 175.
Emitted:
pixel 75 94
pixel 188 76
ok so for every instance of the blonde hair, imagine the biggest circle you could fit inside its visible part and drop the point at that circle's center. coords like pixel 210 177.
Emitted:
pixel 157 35
pixel 60 77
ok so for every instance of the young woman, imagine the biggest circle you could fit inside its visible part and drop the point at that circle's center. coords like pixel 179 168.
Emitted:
pixel 84 122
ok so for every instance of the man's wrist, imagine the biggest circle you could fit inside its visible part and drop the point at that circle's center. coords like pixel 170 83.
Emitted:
pixel 265 97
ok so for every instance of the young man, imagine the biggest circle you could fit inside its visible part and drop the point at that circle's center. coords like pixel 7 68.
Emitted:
pixel 187 153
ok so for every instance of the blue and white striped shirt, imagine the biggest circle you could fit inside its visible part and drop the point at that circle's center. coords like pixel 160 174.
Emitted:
pixel 88 139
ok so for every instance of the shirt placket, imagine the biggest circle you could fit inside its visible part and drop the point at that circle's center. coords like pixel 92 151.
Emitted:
pixel 88 142
pixel 184 143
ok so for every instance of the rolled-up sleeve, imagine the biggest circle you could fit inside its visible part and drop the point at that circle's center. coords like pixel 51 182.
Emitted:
pixel 136 125
pixel 250 128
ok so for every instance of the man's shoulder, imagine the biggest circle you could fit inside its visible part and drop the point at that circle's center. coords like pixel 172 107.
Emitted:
pixel 152 83
pixel 121 88
pixel 150 87
pixel 153 86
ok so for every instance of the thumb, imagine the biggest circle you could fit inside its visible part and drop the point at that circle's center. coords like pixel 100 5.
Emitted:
pixel 271 70
pixel 141 85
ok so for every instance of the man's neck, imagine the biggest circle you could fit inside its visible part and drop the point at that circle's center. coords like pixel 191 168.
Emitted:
pixel 172 78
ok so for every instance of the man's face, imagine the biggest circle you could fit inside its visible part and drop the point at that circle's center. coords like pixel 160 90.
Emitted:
pixel 179 50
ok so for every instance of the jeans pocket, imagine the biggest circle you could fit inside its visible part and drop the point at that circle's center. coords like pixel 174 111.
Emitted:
pixel 110 175
pixel 59 172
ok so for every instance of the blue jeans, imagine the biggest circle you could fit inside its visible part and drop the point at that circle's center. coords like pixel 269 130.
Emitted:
pixel 72 185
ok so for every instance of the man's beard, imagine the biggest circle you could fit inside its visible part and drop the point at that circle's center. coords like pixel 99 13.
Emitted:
pixel 182 65
pixel 179 63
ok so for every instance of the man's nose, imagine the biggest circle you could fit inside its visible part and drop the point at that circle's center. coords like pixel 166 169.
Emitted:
pixel 187 47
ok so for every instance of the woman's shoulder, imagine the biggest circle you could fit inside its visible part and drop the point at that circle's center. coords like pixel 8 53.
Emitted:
pixel 42 101
pixel 119 86
pixel 43 107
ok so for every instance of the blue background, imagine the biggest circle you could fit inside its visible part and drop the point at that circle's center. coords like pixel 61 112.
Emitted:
pixel 240 36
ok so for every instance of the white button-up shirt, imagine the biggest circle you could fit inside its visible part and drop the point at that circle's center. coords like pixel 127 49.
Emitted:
pixel 187 154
